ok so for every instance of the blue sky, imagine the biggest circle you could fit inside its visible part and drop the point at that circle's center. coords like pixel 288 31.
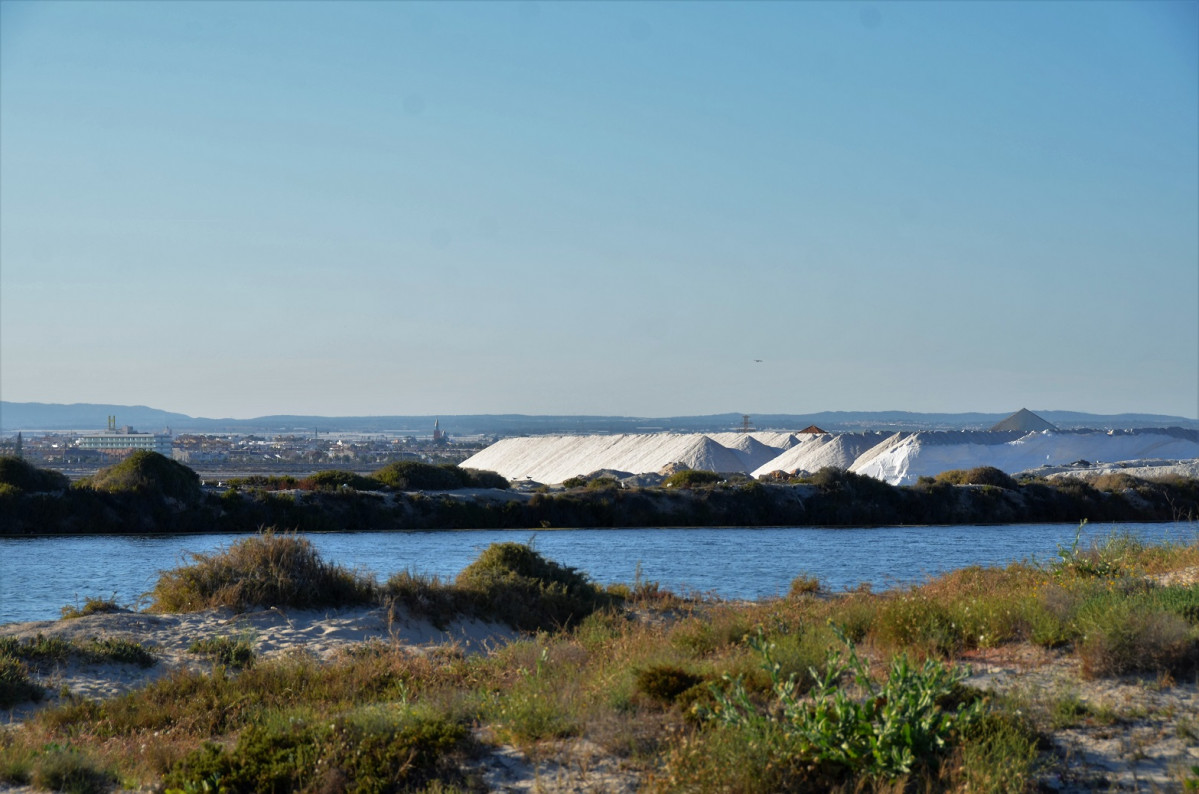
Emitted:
pixel 237 209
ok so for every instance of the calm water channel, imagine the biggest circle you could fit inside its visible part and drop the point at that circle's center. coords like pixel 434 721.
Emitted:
pixel 38 576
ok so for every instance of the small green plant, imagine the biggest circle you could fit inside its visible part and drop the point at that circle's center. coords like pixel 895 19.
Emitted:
pixel 91 606
pixel 888 730
pixel 981 475
pixel 66 768
pixel 234 653
pixel 334 479
pixel 665 683
pixel 804 585
pixel 15 685
pixel 397 749
pixel 1097 562
pixel 41 650
pixel 691 478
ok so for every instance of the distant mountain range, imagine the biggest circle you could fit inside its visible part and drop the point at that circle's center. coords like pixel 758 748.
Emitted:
pixel 91 416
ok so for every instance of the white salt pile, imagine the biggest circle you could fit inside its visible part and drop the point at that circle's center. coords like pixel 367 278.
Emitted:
pixel 898 458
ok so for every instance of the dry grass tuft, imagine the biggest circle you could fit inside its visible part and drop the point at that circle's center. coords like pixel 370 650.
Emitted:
pixel 265 570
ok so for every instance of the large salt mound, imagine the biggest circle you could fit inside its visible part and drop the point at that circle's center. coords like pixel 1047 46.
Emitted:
pixel 753 449
pixel 817 451
pixel 553 459
pixel 903 458
pixel 899 458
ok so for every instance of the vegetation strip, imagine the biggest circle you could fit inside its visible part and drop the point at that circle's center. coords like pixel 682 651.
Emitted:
pixel 150 493
pixel 815 691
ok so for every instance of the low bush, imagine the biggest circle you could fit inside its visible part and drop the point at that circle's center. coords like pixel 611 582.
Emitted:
pixel 42 651
pixel 23 476
pixel 487 479
pixel 803 585
pixel 513 583
pixel 374 749
pixel 265 570
pixel 15 684
pixel 666 683
pixel 691 478
pixel 227 651
pixel 981 475
pixel 59 767
pixel 91 606
pixel 1125 635
pixel 410 475
pixel 149 473
pixel 333 479
pixel 895 726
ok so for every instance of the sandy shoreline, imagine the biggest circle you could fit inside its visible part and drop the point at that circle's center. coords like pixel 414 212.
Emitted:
pixel 273 632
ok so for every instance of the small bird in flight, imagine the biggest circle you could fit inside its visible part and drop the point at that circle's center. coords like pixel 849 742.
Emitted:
pixel 757 361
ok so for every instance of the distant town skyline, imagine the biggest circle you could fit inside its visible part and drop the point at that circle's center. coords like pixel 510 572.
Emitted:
pixel 603 208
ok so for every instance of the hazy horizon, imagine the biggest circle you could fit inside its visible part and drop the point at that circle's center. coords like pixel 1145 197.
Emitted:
pixel 605 208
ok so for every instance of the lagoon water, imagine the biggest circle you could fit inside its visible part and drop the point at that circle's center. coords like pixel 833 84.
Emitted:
pixel 38 576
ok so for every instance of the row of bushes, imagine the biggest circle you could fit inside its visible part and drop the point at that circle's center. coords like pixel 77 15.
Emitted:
pixel 153 494
pixel 149 473
pixel 509 583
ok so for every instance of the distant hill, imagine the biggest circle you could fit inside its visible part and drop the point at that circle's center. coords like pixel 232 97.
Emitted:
pixel 94 416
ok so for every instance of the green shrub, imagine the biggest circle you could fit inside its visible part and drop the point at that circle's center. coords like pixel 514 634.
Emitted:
pixel 410 475
pixel 23 476
pixel 15 685
pixel 981 475
pixel 665 683
pixel 265 570
pixel 91 606
pixel 227 651
pixel 535 708
pixel 333 479
pixel 117 649
pixel 149 473
pixel 691 478
pixel 67 769
pixel 513 583
pixel 43 651
pixel 1122 635
pixel 803 585
pixel 487 479
pixel 998 755
pixel 370 749
pixel 896 726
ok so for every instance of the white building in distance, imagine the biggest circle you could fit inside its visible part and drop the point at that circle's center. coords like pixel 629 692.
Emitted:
pixel 124 440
